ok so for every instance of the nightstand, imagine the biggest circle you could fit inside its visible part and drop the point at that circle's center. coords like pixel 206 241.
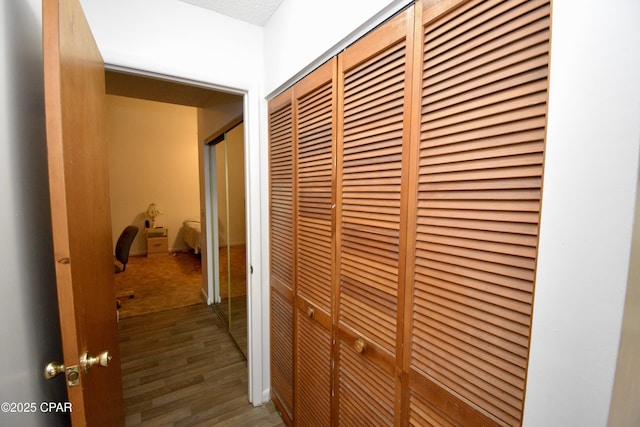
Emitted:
pixel 157 241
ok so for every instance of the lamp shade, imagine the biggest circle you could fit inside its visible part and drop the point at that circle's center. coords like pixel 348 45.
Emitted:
pixel 153 211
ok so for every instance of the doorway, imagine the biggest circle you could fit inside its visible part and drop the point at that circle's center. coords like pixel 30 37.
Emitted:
pixel 215 108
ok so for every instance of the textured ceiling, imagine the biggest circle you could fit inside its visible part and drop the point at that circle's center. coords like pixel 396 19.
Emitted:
pixel 255 12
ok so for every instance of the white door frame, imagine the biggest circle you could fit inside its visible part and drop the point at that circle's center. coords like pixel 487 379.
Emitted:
pixel 256 165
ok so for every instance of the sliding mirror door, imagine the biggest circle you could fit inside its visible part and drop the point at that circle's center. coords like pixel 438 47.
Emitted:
pixel 231 225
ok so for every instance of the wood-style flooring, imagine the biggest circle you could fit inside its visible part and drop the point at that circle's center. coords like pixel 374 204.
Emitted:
pixel 233 314
pixel 180 367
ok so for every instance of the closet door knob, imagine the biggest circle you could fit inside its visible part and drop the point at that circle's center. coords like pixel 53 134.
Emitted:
pixel 359 346
pixel 310 312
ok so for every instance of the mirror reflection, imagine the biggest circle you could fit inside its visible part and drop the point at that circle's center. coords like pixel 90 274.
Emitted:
pixel 231 224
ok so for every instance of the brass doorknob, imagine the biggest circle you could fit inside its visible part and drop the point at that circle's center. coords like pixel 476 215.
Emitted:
pixel 53 369
pixel 103 359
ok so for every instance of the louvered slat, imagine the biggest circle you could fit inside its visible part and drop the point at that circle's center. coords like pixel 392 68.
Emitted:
pixel 370 204
pixel 366 391
pixel 314 212
pixel 484 97
pixel 313 397
pixel 282 351
pixel 282 251
pixel 281 164
pixel 425 413
pixel 315 140
pixel 372 139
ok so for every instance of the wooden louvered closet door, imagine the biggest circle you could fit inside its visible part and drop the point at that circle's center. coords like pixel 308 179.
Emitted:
pixel 314 103
pixel 373 114
pixel 483 105
pixel 281 159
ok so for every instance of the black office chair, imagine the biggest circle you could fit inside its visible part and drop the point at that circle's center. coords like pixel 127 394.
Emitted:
pixel 123 246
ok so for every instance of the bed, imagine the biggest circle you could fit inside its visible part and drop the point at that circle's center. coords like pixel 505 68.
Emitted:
pixel 192 234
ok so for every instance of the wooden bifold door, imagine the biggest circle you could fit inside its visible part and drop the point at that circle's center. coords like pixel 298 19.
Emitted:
pixel 406 179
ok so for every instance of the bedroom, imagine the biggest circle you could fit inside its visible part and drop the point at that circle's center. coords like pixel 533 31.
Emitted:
pixel 153 133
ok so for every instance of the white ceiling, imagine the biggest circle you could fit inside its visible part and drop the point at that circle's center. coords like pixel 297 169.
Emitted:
pixel 255 12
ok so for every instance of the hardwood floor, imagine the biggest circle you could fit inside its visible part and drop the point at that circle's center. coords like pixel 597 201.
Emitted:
pixel 180 367
pixel 160 283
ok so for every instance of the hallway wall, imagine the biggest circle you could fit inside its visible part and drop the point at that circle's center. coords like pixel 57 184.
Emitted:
pixel 590 182
pixel 29 325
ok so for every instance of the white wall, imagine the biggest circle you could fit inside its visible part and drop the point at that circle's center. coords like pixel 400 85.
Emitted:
pixel 29 325
pixel 153 158
pixel 300 32
pixel 625 410
pixel 591 170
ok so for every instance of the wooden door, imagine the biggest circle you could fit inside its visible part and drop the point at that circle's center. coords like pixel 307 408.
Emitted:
pixel 282 259
pixel 80 210
pixel 474 228
pixel 314 104
pixel 373 141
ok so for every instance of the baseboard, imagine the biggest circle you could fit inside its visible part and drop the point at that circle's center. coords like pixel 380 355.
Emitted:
pixel 205 297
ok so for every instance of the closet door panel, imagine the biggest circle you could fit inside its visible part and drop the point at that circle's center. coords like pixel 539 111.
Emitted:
pixel 313 375
pixel 367 389
pixel 282 350
pixel 315 128
pixel 483 107
pixel 282 254
pixel 314 99
pixel 373 116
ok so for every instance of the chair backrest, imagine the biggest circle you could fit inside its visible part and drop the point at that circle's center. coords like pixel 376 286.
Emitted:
pixel 123 245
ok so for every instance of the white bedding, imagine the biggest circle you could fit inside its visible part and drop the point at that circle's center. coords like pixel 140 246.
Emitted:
pixel 192 234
